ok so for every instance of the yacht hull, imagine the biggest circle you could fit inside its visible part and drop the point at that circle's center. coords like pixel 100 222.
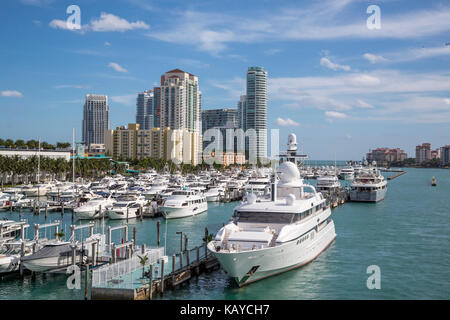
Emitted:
pixel 213 198
pixel 49 263
pixel 368 196
pixel 120 215
pixel 89 214
pixel 180 212
pixel 9 263
pixel 250 266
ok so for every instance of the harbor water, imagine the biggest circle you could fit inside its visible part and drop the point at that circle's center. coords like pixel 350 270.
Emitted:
pixel 407 236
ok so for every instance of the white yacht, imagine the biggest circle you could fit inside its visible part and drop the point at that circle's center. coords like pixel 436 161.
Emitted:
pixel 158 187
pixel 284 232
pixel 347 173
pixel 37 190
pixel 126 206
pixel 328 184
pixel 369 186
pixel 257 185
pixel 10 258
pixel 184 203
pixel 9 230
pixel 91 209
pixel 214 194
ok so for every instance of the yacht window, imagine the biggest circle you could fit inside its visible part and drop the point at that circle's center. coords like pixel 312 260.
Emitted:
pixel 184 204
pixel 264 217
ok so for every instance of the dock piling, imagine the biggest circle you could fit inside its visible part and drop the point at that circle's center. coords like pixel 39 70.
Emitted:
pixel 158 231
pixel 162 276
pixel 150 289
pixel 86 284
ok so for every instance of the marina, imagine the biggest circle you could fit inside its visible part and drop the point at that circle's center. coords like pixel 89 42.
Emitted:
pixel 216 216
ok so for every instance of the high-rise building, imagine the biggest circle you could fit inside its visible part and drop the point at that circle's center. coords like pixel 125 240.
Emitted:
pixel 180 101
pixel 218 118
pixel 436 154
pixel 423 153
pixel 145 110
pixel 223 120
pixel 95 119
pixel 384 156
pixel 445 155
pixel 179 146
pixel 242 107
pixel 256 112
pixel 157 107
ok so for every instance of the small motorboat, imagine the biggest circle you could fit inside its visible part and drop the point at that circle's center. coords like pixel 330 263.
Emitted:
pixel 433 182
pixel 10 258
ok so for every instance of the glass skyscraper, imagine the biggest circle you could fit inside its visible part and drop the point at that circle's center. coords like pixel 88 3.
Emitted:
pixel 256 111
pixel 95 119
pixel 145 110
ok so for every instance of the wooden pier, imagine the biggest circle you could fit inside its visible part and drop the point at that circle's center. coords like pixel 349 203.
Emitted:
pixel 190 263
pixel 396 175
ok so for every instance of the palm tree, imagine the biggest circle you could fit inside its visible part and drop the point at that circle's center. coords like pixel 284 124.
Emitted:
pixel 143 262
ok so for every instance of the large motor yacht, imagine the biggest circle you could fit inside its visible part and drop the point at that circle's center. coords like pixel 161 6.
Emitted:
pixel 347 173
pixel 126 207
pixel 369 186
pixel 267 237
pixel 328 184
pixel 184 203
pixel 91 209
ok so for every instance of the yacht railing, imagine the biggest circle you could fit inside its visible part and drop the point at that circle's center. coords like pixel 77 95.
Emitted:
pixel 102 276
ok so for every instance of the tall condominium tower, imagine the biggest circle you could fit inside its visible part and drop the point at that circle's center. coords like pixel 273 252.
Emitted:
pixel 95 119
pixel 157 107
pixel 180 101
pixel 256 111
pixel 221 119
pixel 217 118
pixel 145 110
pixel 242 107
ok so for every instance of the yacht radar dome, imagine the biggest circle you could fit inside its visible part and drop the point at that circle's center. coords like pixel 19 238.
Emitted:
pixel 290 199
pixel 288 172
pixel 292 142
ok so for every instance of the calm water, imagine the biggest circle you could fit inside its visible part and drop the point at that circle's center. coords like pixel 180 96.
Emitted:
pixel 407 235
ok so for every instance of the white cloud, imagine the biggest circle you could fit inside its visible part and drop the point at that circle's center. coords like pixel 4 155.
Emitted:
pixel 107 22
pixel 288 122
pixel 447 101
pixel 235 87
pixel 59 24
pixel 110 22
pixel 374 58
pixel 363 104
pixel 334 66
pixel 117 67
pixel 127 99
pixel 348 136
pixel 335 115
pixel 324 20
pixel 38 3
pixel 12 94
pixel 107 44
pixel 272 51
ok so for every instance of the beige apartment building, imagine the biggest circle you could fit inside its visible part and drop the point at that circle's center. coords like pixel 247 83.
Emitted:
pixel 180 146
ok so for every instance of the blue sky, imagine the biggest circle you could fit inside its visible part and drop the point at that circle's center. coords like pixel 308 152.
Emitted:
pixel 335 83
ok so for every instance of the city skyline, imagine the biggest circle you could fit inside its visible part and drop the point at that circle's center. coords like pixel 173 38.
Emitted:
pixel 347 89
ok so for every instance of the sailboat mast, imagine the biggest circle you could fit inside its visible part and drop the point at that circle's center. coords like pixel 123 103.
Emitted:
pixel 39 159
pixel 73 155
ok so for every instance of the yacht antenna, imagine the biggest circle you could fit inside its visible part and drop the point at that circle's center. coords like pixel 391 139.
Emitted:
pixel 73 155
pixel 39 159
